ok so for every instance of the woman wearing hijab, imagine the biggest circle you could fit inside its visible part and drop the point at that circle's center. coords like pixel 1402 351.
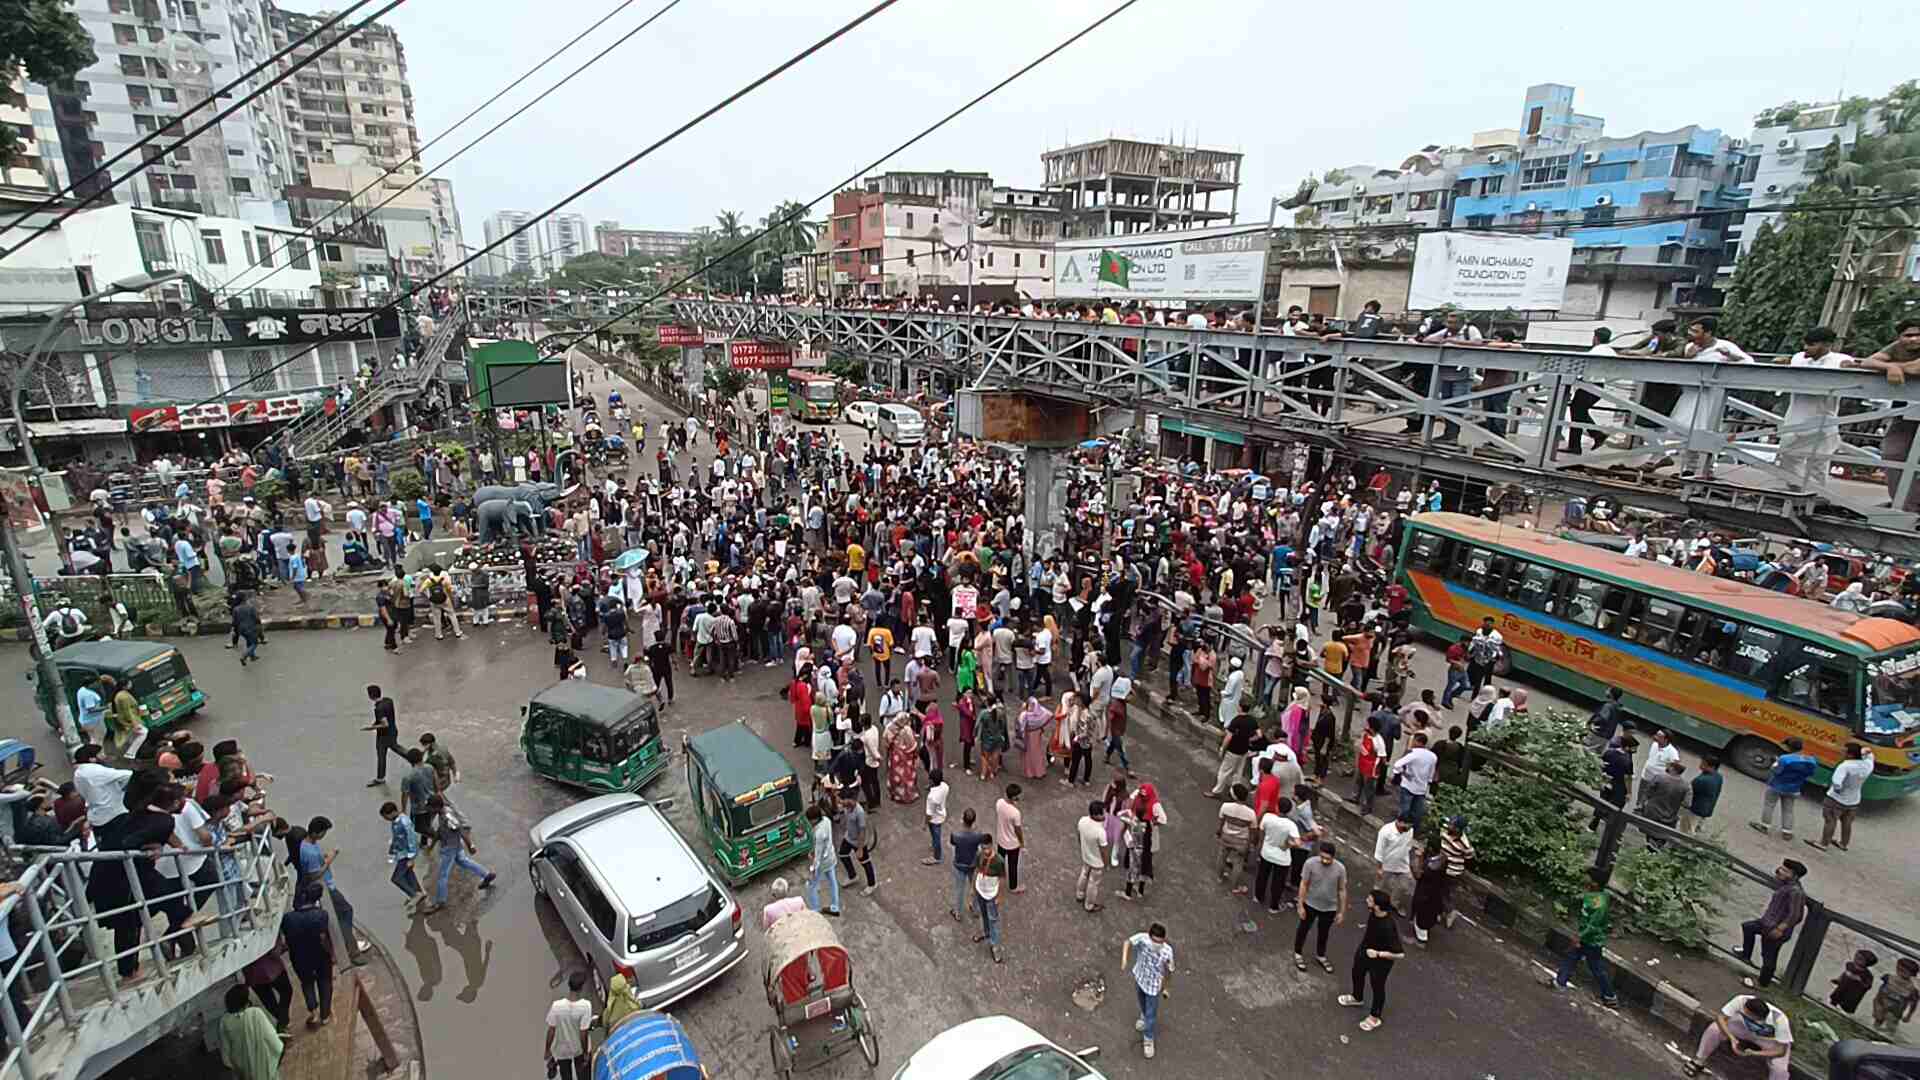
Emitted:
pixel 903 773
pixel 1438 872
pixel 1481 704
pixel 800 696
pixel 1293 719
pixel 1033 721
pixel 620 1003
pixel 1143 819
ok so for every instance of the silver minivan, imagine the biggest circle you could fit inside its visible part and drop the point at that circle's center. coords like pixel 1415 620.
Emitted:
pixel 901 425
pixel 636 899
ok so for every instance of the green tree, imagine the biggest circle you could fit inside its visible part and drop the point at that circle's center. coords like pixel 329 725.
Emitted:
pixel 1779 288
pixel 726 382
pixel 851 369
pixel 46 40
pixel 1886 305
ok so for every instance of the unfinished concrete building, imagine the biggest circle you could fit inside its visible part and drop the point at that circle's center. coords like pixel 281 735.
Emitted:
pixel 1116 187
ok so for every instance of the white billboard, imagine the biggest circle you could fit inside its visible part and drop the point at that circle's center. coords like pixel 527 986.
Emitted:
pixel 1198 264
pixel 1484 272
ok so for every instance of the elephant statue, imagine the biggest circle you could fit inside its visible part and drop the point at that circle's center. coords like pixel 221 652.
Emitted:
pixel 497 518
pixel 540 494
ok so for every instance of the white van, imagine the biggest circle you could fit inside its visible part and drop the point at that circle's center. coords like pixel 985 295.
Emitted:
pixel 901 425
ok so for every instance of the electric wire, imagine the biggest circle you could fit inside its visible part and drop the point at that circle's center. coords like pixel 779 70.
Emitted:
pixel 750 240
pixel 53 199
pixel 214 121
pixel 311 232
pixel 708 113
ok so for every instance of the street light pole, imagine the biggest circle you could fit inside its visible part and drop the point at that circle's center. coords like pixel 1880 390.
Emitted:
pixel 48 675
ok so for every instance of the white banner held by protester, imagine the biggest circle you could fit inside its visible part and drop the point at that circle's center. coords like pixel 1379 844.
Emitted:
pixel 1482 272
pixel 1198 264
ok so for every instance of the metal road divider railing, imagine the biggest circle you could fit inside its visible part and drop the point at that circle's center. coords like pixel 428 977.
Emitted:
pixel 1724 428
pixel 1809 939
pixel 62 997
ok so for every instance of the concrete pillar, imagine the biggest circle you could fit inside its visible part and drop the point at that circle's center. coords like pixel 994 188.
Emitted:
pixel 1044 491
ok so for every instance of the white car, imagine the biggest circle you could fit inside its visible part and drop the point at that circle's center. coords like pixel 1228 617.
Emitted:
pixel 864 413
pixel 995 1048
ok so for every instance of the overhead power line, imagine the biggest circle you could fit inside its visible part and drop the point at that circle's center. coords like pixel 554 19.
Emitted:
pixel 312 231
pixel 173 123
pixel 209 124
pixel 707 114
pixel 632 309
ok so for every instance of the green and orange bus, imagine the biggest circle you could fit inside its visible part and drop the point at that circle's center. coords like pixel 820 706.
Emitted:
pixel 813 396
pixel 1728 664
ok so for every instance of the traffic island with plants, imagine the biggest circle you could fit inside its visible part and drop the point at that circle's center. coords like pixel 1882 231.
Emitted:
pixel 1672 916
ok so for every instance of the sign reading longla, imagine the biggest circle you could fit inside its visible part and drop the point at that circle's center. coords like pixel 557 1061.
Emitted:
pixel 276 327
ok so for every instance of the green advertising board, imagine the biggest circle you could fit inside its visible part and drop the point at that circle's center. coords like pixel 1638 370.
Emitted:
pixel 776 391
pixel 511 375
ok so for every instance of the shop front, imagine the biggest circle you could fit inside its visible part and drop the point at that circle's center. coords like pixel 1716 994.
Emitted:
pixel 1215 448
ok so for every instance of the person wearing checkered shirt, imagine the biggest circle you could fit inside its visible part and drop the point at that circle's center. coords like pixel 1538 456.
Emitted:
pixel 1150 958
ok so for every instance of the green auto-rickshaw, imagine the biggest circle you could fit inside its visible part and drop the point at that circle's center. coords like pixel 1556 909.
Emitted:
pixel 591 736
pixel 153 672
pixel 748 800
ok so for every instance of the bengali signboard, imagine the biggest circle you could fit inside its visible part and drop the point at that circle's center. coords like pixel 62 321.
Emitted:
pixel 256 326
pixel 681 335
pixel 1481 272
pixel 1196 264
pixel 210 414
pixel 760 355
pixel 777 391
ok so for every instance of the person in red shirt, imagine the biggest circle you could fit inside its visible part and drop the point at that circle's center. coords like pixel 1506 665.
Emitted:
pixel 1266 797
pixel 1457 681
pixel 800 696
pixel 1397 597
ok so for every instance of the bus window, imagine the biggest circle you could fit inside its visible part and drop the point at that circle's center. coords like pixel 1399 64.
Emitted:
pixel 1475 571
pixel 1586 601
pixel 1613 608
pixel 1427 550
pixel 1690 640
pixel 1893 696
pixel 1660 625
pixel 1753 652
pixel 1717 638
pixel 1819 685
pixel 1535 587
pixel 1498 571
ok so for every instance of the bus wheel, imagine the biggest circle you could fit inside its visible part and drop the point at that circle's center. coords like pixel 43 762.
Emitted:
pixel 1753 756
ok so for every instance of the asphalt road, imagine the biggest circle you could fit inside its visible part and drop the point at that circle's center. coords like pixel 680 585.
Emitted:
pixel 484 970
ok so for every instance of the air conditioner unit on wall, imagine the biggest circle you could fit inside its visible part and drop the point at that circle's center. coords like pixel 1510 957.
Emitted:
pixel 1359 189
pixel 1787 144
pixel 1494 159
pixel 1533 206
pixel 1590 157
pixel 1604 200
pixel 1773 189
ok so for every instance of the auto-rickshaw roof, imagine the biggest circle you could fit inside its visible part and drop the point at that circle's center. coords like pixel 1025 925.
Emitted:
pixel 109 655
pixel 647 1045
pixel 737 760
pixel 601 706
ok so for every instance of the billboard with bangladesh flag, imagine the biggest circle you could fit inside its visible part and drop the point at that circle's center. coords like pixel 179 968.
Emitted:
pixel 1227 263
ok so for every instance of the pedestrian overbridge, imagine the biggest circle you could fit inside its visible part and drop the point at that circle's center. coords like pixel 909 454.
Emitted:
pixel 1758 447
pixel 69 1013
pixel 558 307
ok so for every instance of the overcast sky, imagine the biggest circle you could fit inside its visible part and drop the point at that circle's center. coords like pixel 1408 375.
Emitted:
pixel 1298 88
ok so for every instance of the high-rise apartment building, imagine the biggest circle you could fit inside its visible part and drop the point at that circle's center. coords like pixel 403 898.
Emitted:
pixel 449 239
pixel 519 254
pixel 155 60
pixel 355 94
pixel 1119 186
pixel 565 236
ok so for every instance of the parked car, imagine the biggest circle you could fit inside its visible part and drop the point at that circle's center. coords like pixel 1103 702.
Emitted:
pixel 864 413
pixel 995 1048
pixel 635 898
pixel 901 425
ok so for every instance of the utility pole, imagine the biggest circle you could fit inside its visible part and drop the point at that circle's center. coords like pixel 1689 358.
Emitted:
pixel 48 675
pixel 1843 296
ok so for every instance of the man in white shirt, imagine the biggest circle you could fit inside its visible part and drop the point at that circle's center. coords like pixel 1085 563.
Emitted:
pixel 1415 771
pixel 1392 851
pixel 1807 453
pixel 1843 797
pixel 936 812
pixel 103 788
pixel 1660 754
pixel 1756 1028
pixel 569 1020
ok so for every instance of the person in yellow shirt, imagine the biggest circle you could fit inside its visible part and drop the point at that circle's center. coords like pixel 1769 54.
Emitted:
pixel 880 643
pixel 856 558
pixel 1333 657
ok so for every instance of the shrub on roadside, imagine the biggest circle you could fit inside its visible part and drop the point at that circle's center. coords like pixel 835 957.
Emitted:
pixel 1673 892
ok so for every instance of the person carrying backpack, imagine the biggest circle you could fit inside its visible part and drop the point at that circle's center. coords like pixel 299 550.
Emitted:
pixel 437 587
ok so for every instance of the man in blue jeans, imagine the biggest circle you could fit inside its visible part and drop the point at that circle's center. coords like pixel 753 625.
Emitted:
pixel 1150 959
pixel 821 870
pixel 966 855
pixel 453 836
